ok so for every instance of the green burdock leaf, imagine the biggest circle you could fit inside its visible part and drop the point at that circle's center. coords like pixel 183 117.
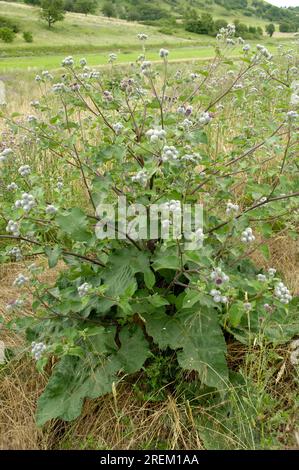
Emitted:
pixel 199 137
pixel 75 225
pixel 166 262
pixel 73 379
pixel 149 279
pixel 236 313
pixel 198 338
pixel 157 301
pixel 134 349
pixel 53 254
pixel 69 384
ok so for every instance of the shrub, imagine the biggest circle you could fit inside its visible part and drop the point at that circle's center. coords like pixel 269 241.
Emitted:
pixel 165 30
pixel 270 29
pixel 8 23
pixel 27 36
pixel 126 295
pixel 7 35
pixel 85 6
pixel 109 10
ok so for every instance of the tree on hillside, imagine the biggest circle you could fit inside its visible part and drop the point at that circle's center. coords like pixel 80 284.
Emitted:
pixel 32 2
pixel 202 25
pixel 108 9
pixel 270 29
pixel 52 11
pixel 85 6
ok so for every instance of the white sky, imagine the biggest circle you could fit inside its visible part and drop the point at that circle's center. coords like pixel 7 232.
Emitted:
pixel 284 3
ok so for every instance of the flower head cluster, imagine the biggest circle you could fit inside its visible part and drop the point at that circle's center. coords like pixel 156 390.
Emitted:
pixel 83 62
pixel 15 252
pixel 169 153
pixel 107 95
pixel 24 170
pixel 217 297
pixel 51 210
pixel 20 280
pixel 271 272
pixel 219 277
pixel 34 104
pixel 264 51
pixel 268 308
pixel 59 184
pixel 145 66
pixel 4 154
pixel 187 123
pixel 230 42
pixel 13 228
pixel 142 36
pixel 229 31
pixel 37 350
pixel 292 115
pixel 46 74
pixel 163 53
pixel 94 74
pixel 185 110
pixel 247 236
pixel 282 293
pixel 31 118
pixel 172 206
pixel 191 157
pixel 12 186
pixel 231 208
pixel 261 277
pixel 26 203
pixel 204 119
pixel 68 61
pixel 118 127
pixel 156 134
pixel 59 87
pixel 246 47
pixel 112 58
pixel 140 177
pixel 84 289
pixel 196 237
pixel 127 84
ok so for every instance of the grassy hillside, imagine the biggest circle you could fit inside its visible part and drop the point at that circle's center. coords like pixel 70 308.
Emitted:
pixel 251 12
pixel 79 32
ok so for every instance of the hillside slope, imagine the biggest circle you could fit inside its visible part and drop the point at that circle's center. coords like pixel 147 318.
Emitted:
pixel 79 32
pixel 250 12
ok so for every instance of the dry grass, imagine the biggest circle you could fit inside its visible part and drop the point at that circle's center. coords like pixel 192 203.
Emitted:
pixel 284 257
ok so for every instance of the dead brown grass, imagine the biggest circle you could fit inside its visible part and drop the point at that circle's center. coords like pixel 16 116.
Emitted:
pixel 284 256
